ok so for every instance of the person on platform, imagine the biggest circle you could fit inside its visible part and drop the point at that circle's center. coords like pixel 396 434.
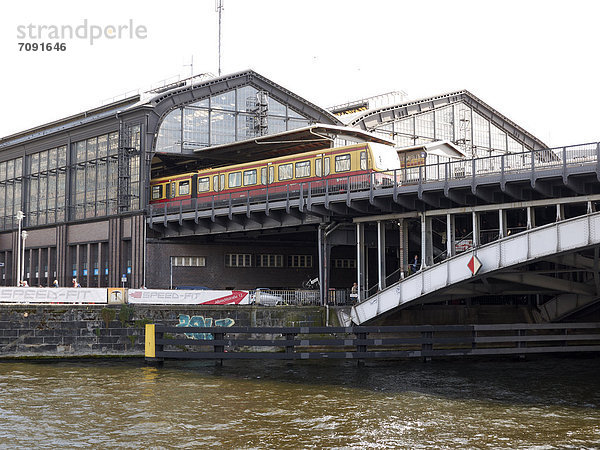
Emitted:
pixel 55 283
pixel 415 265
pixel 75 283
pixel 354 292
pixel 24 283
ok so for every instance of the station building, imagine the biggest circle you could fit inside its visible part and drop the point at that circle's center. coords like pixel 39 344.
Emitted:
pixel 83 182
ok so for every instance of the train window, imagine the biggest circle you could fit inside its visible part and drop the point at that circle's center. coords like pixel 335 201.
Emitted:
pixel 326 166
pixel 285 172
pixel 235 179
pixel 318 167
pixel 184 187
pixel 204 184
pixel 219 182
pixel 263 175
pixel 173 191
pixel 157 192
pixel 342 163
pixel 303 169
pixel 363 160
pixel 249 177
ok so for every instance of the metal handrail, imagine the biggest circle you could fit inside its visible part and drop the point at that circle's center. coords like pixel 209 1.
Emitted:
pixel 535 160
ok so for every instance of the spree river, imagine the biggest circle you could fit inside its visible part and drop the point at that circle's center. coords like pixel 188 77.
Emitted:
pixel 545 403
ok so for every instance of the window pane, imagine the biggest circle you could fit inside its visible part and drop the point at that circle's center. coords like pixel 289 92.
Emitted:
pixel 203 184
pixel 303 169
pixel 342 163
pixel 363 160
pixel 113 143
pixel 169 134
pixel 225 100
pixel 156 192
pixel 43 161
pixel 92 147
pixel 195 128
pixel 80 151
pixel 327 166
pixel 102 146
pixel 184 188
pixel 285 172
pixel 318 167
pixel 276 108
pixel 222 128
pixel 249 177
pixel 263 175
pixel 235 179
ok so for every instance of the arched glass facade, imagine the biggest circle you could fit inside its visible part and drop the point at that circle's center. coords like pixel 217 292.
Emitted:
pixel 457 123
pixel 94 175
pixel 46 184
pixel 11 182
pixel 223 118
pixel 49 189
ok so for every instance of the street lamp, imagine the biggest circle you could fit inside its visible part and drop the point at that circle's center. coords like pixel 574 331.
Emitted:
pixel 24 236
pixel 19 217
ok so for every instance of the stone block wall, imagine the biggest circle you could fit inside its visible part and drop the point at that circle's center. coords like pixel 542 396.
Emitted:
pixel 118 330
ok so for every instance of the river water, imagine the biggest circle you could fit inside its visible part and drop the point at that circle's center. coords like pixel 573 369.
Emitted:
pixel 545 403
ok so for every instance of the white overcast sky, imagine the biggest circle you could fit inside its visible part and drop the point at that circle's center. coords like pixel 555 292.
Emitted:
pixel 537 62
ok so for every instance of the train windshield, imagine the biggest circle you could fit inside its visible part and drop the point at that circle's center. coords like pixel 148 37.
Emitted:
pixel 385 157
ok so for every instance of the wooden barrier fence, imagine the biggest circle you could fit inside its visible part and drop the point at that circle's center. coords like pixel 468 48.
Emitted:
pixel 368 342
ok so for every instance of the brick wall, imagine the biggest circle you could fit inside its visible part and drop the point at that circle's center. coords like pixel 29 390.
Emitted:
pixel 216 276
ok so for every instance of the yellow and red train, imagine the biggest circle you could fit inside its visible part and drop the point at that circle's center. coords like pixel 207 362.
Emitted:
pixel 281 173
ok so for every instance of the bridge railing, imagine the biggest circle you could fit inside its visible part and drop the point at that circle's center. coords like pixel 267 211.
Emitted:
pixel 300 297
pixel 438 169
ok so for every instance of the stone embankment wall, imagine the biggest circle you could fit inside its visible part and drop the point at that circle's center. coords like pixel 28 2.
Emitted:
pixel 118 330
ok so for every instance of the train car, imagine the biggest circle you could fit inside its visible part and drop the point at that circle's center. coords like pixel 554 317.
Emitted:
pixel 363 163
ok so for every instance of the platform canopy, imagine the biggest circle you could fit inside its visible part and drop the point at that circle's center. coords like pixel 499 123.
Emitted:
pixel 299 140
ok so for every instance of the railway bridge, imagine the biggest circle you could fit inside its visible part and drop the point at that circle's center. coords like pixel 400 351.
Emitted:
pixel 529 218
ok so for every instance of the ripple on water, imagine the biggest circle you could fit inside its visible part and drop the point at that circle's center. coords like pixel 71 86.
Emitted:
pixel 335 405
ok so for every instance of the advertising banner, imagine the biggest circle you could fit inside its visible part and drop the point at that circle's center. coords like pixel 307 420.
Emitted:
pixel 185 297
pixel 52 295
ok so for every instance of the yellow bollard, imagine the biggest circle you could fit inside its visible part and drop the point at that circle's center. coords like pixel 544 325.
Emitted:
pixel 150 341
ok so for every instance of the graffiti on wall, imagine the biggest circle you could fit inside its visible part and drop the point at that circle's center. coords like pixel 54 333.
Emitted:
pixel 200 321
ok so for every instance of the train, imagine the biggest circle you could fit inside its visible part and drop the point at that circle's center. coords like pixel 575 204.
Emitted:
pixel 282 174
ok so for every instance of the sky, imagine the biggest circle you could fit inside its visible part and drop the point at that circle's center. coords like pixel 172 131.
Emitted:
pixel 536 62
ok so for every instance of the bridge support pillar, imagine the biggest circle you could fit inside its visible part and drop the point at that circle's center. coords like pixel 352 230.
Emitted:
pixel 426 241
pixel 476 230
pixel 323 265
pixel 360 260
pixel 530 218
pixel 403 248
pixel 381 254
pixel 591 207
pixel 450 235
pixel 560 212
pixel 502 223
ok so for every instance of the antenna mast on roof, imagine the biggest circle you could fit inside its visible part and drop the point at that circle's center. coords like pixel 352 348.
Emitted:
pixel 219 9
pixel 191 64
